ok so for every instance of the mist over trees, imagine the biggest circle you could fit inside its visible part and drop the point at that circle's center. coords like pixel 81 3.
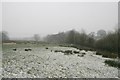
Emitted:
pixel 56 38
pixel 36 37
pixel 99 40
pixel 102 40
pixel 101 34
pixel 4 36
pixel 110 42
pixel 71 37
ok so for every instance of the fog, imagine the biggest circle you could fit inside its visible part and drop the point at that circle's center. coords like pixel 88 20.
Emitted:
pixel 0 16
pixel 23 19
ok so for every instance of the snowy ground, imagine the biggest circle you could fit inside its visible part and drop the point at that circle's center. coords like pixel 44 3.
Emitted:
pixel 42 63
pixel 0 60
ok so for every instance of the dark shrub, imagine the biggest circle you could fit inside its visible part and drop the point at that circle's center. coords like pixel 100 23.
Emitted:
pixel 46 48
pixel 98 53
pixel 76 52
pixel 113 63
pixel 68 52
pixel 81 55
pixel 28 49
pixel 107 54
pixel 58 51
pixel 14 49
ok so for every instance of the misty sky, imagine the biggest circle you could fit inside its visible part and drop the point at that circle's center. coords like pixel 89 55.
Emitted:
pixel 23 19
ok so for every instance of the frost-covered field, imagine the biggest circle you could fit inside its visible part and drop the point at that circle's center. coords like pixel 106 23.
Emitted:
pixel 42 63
pixel 0 60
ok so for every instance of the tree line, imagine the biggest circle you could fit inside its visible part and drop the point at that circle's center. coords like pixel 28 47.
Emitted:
pixel 103 41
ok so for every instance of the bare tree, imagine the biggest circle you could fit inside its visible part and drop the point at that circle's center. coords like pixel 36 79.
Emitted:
pixel 71 37
pixel 101 33
pixel 36 37
pixel 92 34
pixel 5 36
